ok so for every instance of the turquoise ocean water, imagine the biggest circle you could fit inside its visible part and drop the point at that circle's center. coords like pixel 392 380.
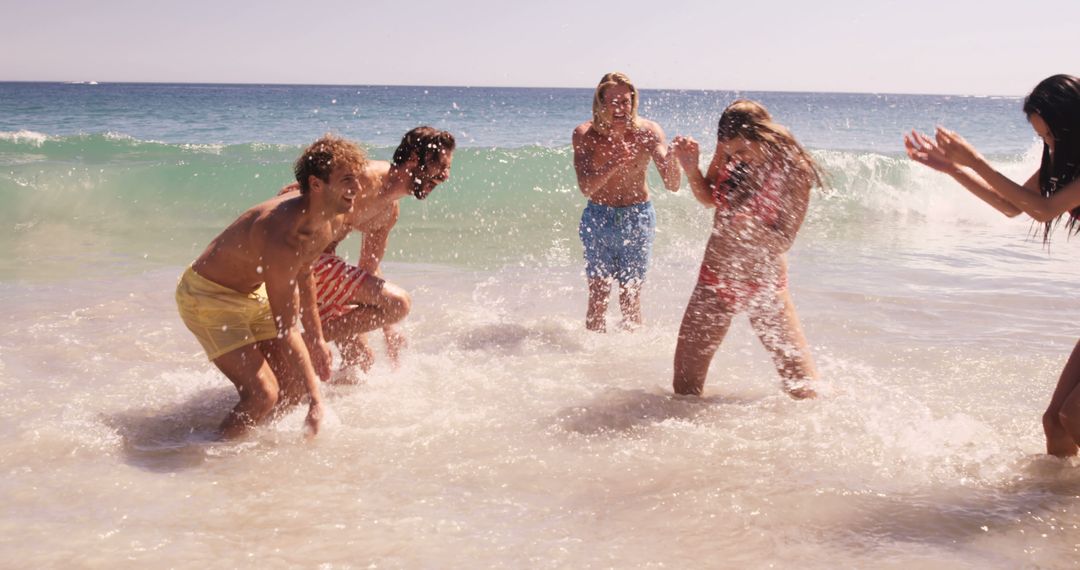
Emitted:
pixel 510 437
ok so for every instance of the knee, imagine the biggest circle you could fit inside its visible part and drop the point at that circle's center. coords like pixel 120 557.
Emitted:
pixel 398 306
pixel 262 397
pixel 1053 421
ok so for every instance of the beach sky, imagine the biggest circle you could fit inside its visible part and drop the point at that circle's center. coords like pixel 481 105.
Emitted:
pixel 982 47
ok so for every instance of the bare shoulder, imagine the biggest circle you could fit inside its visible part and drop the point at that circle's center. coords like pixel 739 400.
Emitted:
pixel 650 128
pixel 584 140
pixel 375 172
pixel 584 132
pixel 276 214
pixel 291 187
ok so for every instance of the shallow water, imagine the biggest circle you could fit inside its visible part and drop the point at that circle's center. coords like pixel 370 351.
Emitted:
pixel 510 437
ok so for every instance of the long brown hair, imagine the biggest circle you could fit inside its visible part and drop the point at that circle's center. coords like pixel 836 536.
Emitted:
pixel 751 121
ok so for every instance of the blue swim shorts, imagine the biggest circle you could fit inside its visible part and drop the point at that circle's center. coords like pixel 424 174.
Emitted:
pixel 618 241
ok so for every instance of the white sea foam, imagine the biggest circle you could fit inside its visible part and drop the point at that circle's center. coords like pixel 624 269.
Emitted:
pixel 509 431
pixel 510 436
pixel 24 136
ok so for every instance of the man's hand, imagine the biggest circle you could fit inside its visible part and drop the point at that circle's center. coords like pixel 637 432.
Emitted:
pixel 314 418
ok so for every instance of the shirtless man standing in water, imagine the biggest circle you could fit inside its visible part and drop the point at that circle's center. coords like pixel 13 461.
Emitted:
pixel 611 156
pixel 354 299
pixel 243 297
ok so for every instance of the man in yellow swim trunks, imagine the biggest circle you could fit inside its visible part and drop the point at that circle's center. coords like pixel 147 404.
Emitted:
pixel 243 297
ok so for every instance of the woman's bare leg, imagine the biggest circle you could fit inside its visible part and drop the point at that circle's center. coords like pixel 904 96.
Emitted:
pixel 704 325
pixel 777 326
pixel 1061 422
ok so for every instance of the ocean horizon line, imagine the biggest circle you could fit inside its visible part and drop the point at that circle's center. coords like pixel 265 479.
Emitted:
pixel 90 82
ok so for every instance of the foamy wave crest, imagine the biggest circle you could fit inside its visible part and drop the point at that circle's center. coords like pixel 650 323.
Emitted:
pixel 24 137
pixel 117 147
pixel 896 185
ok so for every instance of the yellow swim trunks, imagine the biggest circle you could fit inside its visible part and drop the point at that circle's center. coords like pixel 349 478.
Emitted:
pixel 222 319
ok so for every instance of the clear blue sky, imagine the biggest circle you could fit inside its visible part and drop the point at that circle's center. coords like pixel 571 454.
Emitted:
pixel 918 46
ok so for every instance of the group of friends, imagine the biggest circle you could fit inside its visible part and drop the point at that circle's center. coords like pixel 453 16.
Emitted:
pixel 270 292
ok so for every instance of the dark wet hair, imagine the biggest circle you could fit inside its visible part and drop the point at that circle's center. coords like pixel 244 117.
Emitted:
pixel 1057 100
pixel 426 143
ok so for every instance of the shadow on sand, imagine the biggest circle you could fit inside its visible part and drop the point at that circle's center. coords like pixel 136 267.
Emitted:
pixel 174 438
pixel 512 338
pixel 622 411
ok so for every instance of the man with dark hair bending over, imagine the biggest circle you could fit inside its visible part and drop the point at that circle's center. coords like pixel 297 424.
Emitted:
pixel 611 155
pixel 244 297
pixel 354 299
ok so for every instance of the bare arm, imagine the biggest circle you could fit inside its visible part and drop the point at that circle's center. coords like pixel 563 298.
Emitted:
pixel 688 153
pixel 372 250
pixel 948 152
pixel 924 150
pixel 666 164
pixel 281 290
pixel 321 358
pixel 987 193
pixel 373 243
pixel 1027 198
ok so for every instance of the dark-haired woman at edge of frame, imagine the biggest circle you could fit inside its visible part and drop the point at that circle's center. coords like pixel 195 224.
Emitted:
pixel 1053 109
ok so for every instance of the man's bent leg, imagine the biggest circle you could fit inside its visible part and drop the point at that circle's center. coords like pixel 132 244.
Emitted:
pixel 247 369
pixel 378 304
pixel 291 387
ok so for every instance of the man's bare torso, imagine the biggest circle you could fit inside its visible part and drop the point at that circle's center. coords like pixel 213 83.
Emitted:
pixel 277 232
pixel 627 187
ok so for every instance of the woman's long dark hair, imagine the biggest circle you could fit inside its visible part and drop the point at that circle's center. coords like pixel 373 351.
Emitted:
pixel 1057 100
